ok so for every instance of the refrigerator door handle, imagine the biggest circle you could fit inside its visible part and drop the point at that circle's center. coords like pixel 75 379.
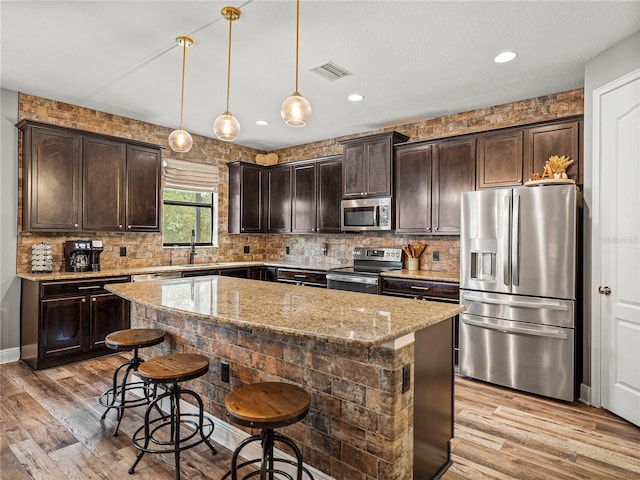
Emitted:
pixel 525 331
pixel 515 244
pixel 506 228
pixel 517 303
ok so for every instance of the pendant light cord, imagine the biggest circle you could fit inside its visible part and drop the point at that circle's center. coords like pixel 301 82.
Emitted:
pixel 229 63
pixel 184 65
pixel 297 40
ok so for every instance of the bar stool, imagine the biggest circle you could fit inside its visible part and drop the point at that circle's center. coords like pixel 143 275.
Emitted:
pixel 116 396
pixel 166 432
pixel 267 405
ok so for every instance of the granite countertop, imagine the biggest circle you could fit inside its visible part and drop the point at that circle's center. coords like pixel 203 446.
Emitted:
pixel 329 315
pixel 116 272
pixel 424 275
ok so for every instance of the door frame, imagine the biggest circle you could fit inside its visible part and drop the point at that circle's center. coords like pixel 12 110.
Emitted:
pixel 596 236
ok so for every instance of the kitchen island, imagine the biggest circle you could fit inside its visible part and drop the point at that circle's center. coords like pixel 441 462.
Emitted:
pixel 363 359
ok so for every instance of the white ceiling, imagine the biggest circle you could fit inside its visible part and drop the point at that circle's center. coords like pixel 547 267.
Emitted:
pixel 411 60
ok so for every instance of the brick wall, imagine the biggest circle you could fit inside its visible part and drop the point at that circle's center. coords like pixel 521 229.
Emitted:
pixel 146 249
pixel 360 424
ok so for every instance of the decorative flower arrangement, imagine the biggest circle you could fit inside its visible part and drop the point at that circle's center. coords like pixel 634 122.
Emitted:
pixel 558 164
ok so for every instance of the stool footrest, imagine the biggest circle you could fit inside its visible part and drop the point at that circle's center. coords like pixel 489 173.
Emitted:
pixel 112 398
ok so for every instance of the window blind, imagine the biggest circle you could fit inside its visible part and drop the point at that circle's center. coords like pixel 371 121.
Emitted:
pixel 196 177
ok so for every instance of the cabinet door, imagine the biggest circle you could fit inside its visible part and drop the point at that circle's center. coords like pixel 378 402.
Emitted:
pixel 354 170
pixel 63 323
pixel 545 141
pixel 278 192
pixel 453 173
pixel 378 169
pixel 108 314
pixel 499 160
pixel 143 189
pixel 103 175
pixel 51 180
pixel 328 195
pixel 303 199
pixel 413 188
pixel 245 198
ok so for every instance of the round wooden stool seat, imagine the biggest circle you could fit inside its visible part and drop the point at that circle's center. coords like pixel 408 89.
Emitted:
pixel 267 405
pixel 175 430
pixel 134 338
pixel 174 368
pixel 117 397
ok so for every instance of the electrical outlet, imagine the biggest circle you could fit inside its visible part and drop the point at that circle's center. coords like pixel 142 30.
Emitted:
pixel 224 371
pixel 246 249
pixel 436 256
pixel 123 251
pixel 406 378
pixel 287 250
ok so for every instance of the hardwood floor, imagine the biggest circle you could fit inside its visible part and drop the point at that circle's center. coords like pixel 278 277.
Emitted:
pixel 51 429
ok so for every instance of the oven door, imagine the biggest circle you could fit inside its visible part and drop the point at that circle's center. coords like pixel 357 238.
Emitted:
pixel 353 282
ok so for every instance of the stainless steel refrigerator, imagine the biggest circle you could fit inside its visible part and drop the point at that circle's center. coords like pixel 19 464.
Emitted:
pixel 518 251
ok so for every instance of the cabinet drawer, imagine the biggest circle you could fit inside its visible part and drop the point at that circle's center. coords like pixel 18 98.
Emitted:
pixel 420 288
pixel 302 276
pixel 78 287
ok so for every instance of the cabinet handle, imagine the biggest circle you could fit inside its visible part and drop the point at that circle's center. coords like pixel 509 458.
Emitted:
pixel 93 299
pixel 128 226
pixel 300 276
pixel 84 300
pixel 119 226
pixel 75 225
pixel 91 287
pixel 416 287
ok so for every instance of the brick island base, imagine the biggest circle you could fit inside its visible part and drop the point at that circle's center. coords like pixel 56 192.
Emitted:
pixel 361 423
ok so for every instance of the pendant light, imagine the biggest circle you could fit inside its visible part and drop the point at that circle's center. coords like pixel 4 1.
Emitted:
pixel 226 127
pixel 296 110
pixel 180 140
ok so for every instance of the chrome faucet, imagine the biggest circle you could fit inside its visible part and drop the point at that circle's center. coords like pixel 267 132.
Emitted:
pixel 192 250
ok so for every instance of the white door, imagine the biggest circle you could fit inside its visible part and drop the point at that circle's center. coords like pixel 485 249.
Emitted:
pixel 617 157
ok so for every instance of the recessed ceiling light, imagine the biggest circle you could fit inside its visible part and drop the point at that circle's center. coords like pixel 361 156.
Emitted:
pixel 262 122
pixel 505 57
pixel 355 97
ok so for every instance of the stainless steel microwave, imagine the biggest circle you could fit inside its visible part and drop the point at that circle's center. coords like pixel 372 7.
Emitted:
pixel 365 214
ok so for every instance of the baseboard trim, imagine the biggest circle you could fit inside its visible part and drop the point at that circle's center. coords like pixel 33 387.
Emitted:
pixel 9 355
pixel 228 436
pixel 585 394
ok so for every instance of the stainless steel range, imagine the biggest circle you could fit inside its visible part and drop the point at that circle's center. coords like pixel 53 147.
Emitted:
pixel 364 276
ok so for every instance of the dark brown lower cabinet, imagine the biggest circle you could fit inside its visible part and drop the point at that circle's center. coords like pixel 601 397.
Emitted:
pixel 67 321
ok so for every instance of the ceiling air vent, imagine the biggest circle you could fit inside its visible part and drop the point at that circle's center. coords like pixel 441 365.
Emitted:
pixel 331 71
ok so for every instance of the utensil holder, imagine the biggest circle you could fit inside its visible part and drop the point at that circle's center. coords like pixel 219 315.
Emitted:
pixel 413 263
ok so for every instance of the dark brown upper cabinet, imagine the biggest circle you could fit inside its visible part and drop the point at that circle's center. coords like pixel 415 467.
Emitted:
pixel 429 178
pixel 413 164
pixel 328 194
pixel 278 198
pixel 454 172
pixel 499 159
pixel 78 181
pixel 52 185
pixel 303 199
pixel 103 182
pixel 316 195
pixel 367 165
pixel 246 211
pixel 541 142
pixel 144 171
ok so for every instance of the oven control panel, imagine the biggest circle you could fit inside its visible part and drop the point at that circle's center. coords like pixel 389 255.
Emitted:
pixel 380 254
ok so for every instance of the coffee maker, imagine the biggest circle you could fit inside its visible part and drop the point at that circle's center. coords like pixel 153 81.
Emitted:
pixel 82 255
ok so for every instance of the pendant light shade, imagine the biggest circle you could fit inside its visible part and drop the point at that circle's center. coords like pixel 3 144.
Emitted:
pixel 296 110
pixel 180 140
pixel 227 127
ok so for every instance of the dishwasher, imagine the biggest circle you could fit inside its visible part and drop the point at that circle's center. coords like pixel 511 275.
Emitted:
pixel 146 277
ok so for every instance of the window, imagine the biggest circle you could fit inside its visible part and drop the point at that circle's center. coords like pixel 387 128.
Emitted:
pixel 185 211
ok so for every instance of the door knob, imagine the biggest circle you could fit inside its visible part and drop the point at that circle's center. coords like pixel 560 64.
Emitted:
pixel 604 290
